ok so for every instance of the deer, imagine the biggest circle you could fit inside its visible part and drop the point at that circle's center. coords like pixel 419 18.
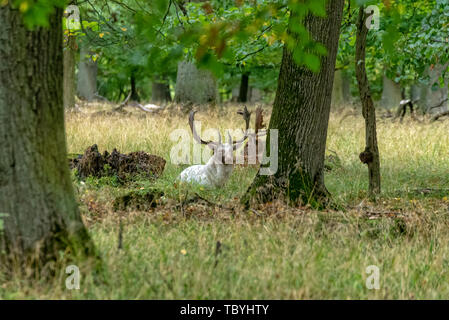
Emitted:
pixel 216 172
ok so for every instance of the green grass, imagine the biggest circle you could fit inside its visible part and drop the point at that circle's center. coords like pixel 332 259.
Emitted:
pixel 272 252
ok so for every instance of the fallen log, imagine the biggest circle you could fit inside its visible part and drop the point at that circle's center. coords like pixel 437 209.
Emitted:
pixel 439 115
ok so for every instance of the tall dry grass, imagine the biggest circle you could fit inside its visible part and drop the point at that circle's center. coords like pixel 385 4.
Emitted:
pixel 273 252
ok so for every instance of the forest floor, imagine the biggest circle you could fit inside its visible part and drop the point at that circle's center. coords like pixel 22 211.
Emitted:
pixel 201 244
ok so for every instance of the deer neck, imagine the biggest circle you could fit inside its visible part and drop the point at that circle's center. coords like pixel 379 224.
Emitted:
pixel 217 172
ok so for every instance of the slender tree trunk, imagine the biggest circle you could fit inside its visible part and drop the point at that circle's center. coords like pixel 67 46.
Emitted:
pixel 301 114
pixel 243 93
pixel 87 75
pixel 161 90
pixel 40 214
pixel 370 155
pixel 69 71
pixel 194 85
pixel 134 93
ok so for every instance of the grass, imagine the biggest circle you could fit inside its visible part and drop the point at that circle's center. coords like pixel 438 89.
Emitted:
pixel 272 252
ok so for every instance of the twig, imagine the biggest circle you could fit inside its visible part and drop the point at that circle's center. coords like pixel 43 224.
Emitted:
pixel 439 104
pixel 251 53
pixel 124 5
pixel 165 17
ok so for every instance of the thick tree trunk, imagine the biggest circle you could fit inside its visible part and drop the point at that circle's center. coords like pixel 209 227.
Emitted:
pixel 69 71
pixel 254 95
pixel 161 90
pixel 370 155
pixel 301 114
pixel 36 194
pixel 87 75
pixel 391 94
pixel 346 87
pixel 243 92
pixel 235 94
pixel 194 85
pixel 337 91
pixel 433 99
pixel 341 93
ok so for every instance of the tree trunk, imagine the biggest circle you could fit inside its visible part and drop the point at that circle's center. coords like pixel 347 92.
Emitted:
pixel 301 114
pixel 134 93
pixel 254 95
pixel 194 85
pixel 161 90
pixel 87 75
pixel 371 154
pixel 433 98
pixel 243 93
pixel 337 91
pixel 39 211
pixel 391 94
pixel 346 87
pixel 69 71
pixel 341 93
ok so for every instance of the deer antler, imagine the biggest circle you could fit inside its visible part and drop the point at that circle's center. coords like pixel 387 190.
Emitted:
pixel 247 117
pixel 197 138
pixel 259 125
pixel 124 103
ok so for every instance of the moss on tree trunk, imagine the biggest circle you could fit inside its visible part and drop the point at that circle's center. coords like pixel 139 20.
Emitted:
pixel 69 71
pixel 36 194
pixel 370 155
pixel 301 114
pixel 87 75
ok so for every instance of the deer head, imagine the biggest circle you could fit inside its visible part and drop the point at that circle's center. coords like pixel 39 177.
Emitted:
pixel 222 152
pixel 219 167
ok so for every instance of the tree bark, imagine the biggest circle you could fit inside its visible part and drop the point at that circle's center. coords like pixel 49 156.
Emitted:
pixel 370 155
pixel 391 94
pixel 346 87
pixel 194 85
pixel 337 91
pixel 36 194
pixel 87 75
pixel 161 90
pixel 134 93
pixel 69 71
pixel 243 93
pixel 432 95
pixel 301 114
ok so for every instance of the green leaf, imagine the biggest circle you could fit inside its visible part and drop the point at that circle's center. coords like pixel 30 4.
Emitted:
pixel 312 62
pixel 318 7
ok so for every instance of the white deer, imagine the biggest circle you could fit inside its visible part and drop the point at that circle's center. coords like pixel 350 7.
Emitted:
pixel 218 169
